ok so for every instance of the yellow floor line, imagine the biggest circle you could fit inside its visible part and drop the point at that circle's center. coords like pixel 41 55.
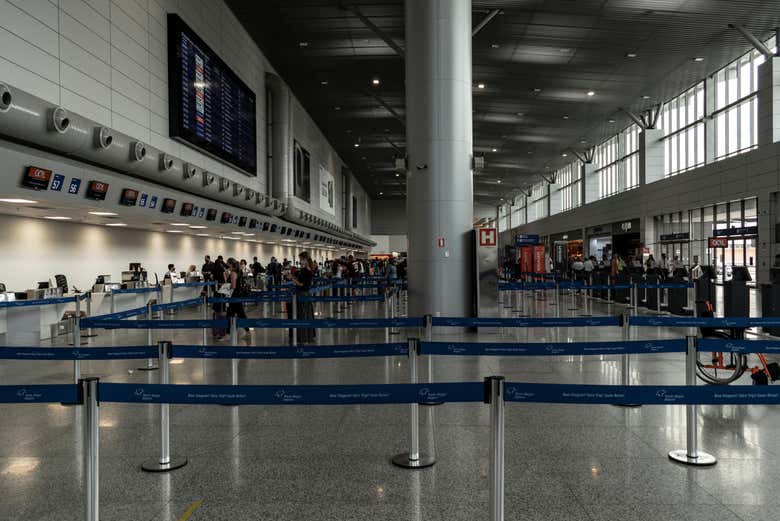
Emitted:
pixel 193 507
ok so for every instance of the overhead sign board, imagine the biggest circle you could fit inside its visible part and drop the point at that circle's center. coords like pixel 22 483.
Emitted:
pixel 736 232
pixel 718 242
pixel 488 237
pixel 526 240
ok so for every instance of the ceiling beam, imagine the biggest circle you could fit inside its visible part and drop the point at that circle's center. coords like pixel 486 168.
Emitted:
pixel 387 107
pixel 375 29
pixel 755 42
pixel 636 119
pixel 481 25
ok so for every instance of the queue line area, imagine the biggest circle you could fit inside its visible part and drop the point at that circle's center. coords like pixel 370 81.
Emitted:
pixel 552 415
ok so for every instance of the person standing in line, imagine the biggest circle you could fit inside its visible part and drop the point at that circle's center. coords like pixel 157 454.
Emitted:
pixel 240 289
pixel 207 268
pixel 304 310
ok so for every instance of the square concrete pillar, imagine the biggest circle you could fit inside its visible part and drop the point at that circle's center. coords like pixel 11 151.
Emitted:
pixel 589 187
pixel 556 203
pixel 769 102
pixel 766 209
pixel 651 156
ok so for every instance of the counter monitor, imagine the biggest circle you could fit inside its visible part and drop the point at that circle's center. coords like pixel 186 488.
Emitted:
pixel 186 209
pixel 242 221
pixel 36 178
pixel 253 224
pixel 227 218
pixel 97 190
pixel 211 215
pixel 129 197
pixel 168 205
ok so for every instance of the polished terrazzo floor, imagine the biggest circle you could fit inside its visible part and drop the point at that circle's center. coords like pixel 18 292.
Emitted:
pixel 284 463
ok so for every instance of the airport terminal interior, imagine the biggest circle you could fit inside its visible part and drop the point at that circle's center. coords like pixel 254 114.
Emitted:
pixel 408 260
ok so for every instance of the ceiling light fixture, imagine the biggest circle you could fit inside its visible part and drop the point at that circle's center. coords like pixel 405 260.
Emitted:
pixel 198 227
pixel 498 181
pixel 645 97
pixel 18 201
pixel 57 218
pixel 202 234
pixel 173 231
pixel 565 116
pixel 698 59
pixel 520 114
pixel 494 46
pixel 564 154
pixel 591 93
pixel 611 120
pixel 398 175
pixel 582 141
pixel 630 55
pixel 537 90
pixel 179 224
pixel 104 214
pixel 480 85
pixel 336 108
pixel 323 82
pixel 495 150
pixel 375 81
pixel 357 145
pixel 116 224
pixel 303 44
pixel 381 193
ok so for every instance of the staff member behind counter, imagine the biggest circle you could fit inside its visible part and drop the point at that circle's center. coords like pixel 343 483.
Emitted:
pixel 173 275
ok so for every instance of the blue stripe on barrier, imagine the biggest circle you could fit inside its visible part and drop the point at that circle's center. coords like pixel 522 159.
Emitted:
pixel 83 296
pixel 739 346
pixel 78 353
pixel 155 324
pixel 526 286
pixel 705 321
pixel 56 393
pixel 640 394
pixel 37 302
pixel 354 298
pixel 289 352
pixel 553 348
pixel 605 287
pixel 363 323
pixel 177 305
pixel 249 300
pixel 293 395
pixel 194 284
pixel 136 290
pixel 665 286
pixel 115 316
pixel 527 322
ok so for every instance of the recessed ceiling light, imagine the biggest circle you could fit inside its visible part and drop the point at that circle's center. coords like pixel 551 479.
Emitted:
pixel 179 224
pixel 202 234
pixel 398 175
pixel 198 227
pixel 521 114
pixel 480 85
pixel 57 218
pixel 537 90
pixel 645 97
pixel 173 231
pixel 495 150
pixel 336 108
pixel 630 55
pixel 494 46
pixel 582 141
pixel 698 59
pixel 323 82
pixel 303 44
pixel 104 214
pixel 611 120
pixel 356 145
pixel 530 152
pixel 564 154
pixel 239 232
pixel 591 93
pixel 375 81
pixel 18 201
pixel 502 199
pixel 381 193
pixel 498 181
pixel 116 224
pixel 565 116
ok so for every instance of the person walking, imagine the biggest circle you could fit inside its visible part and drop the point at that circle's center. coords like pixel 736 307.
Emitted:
pixel 304 310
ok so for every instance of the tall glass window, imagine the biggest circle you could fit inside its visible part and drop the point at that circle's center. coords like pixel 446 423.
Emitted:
pixel 682 120
pixel 606 161
pixel 540 202
pixel 568 179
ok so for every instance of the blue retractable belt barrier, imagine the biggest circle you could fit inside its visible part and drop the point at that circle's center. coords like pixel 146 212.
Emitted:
pixel 288 352
pixel 114 316
pixel 286 297
pixel 293 395
pixel 364 323
pixel 348 298
pixel 527 322
pixel 37 302
pixel 78 353
pixel 640 394
pixel 82 296
pixel 553 348
pixel 604 287
pixel 665 286
pixel 526 286
pixel 136 290
pixel 177 305
pixel 739 346
pixel 194 284
pixel 57 393
pixel 155 324
pixel 715 322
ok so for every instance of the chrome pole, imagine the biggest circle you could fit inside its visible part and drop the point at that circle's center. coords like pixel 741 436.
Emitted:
pixel 388 304
pixel 89 313
pixel 205 316
pixel 89 389
pixel 234 343
pixel 149 340
pixel 165 462
pixel 496 401
pixel 625 359
pixel 414 459
pixel 691 455
pixel 294 304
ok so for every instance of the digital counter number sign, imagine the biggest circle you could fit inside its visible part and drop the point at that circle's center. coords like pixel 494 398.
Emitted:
pixel 36 178
pixel 97 190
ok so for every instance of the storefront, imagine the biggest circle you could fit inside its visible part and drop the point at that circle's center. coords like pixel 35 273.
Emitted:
pixel 566 246
pixel 621 237
pixel 686 235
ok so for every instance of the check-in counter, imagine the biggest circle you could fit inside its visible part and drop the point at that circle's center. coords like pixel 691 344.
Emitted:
pixel 27 322
pixel 117 300
pixel 182 291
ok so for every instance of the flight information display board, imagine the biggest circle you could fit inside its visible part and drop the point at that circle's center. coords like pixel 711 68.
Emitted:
pixel 210 107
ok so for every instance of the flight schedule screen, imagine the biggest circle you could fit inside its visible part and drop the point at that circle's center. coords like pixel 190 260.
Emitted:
pixel 211 107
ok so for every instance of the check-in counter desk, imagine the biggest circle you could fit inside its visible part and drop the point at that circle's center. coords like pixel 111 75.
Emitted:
pixel 182 291
pixel 104 303
pixel 27 322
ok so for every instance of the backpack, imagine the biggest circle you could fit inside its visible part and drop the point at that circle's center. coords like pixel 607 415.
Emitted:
pixel 242 287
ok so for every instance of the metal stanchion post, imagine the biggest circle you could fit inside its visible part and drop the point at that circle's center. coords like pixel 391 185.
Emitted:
pixel 658 301
pixel 206 317
pixel 294 304
pixel 414 459
pixel 625 360
pixel 609 289
pixel 691 455
pixel 165 462
pixel 149 341
pixel 113 303
pixel 636 298
pixel 234 343
pixel 89 399
pixel 494 391
pixel 388 303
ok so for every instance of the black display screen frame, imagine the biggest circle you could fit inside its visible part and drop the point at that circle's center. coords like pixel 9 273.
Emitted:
pixel 94 192
pixel 168 205
pixel 176 28
pixel 126 199
pixel 34 182
pixel 186 209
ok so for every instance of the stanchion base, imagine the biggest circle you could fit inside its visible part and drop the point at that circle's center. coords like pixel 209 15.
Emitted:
pixel 628 405
pixel 93 335
pixel 80 343
pixel 403 461
pixel 156 466
pixel 702 460
pixel 145 368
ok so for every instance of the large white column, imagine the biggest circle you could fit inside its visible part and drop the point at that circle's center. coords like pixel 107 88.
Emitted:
pixel 590 184
pixel 769 102
pixel 440 199
pixel 651 156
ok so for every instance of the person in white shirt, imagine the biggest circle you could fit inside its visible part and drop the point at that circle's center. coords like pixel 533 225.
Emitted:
pixel 173 274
